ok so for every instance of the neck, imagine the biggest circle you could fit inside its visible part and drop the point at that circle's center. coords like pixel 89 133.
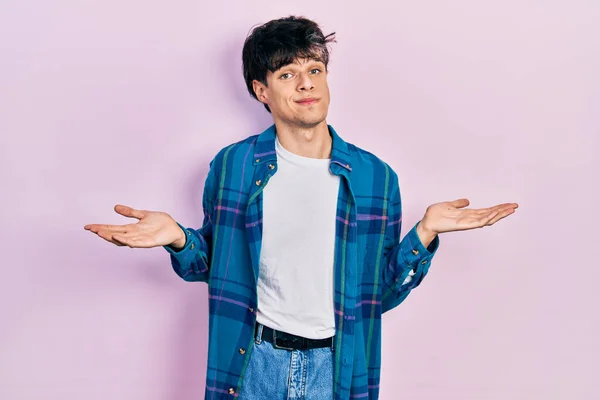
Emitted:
pixel 312 142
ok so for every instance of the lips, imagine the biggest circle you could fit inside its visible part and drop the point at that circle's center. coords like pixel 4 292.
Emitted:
pixel 307 101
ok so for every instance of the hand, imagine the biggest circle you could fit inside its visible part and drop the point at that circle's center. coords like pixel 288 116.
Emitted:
pixel 154 229
pixel 452 216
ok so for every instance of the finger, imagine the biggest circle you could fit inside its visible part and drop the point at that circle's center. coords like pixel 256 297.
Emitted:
pixel 471 215
pixel 109 228
pixel 133 241
pixel 496 215
pixel 120 240
pixel 108 237
pixel 485 220
pixel 501 215
pixel 472 220
pixel 487 210
pixel 506 208
pixel 460 203
pixel 117 243
pixel 505 205
pixel 129 212
pixel 484 211
pixel 500 208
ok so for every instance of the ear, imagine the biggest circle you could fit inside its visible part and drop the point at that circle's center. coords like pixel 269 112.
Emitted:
pixel 260 90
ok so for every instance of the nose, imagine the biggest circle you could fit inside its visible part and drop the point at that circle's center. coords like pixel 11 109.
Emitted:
pixel 306 83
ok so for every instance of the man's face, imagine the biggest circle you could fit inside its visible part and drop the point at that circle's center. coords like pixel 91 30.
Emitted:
pixel 297 93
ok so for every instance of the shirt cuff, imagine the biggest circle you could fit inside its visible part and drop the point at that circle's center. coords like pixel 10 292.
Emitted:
pixel 191 242
pixel 415 253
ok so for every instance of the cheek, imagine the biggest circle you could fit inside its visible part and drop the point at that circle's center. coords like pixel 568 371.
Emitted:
pixel 326 96
pixel 326 90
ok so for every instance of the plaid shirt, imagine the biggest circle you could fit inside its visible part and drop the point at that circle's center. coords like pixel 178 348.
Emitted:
pixel 373 272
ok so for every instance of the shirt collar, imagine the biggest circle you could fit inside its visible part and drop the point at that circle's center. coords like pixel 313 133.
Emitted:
pixel 264 150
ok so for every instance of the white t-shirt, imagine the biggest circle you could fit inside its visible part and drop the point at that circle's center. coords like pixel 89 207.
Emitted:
pixel 295 283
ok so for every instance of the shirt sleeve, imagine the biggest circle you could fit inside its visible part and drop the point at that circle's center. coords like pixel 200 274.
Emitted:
pixel 407 261
pixel 192 262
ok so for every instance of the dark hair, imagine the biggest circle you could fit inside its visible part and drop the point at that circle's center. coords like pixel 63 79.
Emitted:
pixel 281 42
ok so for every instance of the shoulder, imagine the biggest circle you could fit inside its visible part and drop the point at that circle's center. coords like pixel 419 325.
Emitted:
pixel 366 165
pixel 234 153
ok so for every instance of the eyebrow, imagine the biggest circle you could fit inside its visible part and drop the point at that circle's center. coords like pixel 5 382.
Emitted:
pixel 311 64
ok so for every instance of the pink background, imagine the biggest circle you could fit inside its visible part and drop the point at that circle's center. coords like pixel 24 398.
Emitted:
pixel 127 101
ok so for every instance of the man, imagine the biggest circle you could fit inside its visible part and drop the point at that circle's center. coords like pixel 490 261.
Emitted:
pixel 300 243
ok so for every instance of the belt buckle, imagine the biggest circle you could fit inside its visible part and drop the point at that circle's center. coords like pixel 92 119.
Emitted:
pixel 275 345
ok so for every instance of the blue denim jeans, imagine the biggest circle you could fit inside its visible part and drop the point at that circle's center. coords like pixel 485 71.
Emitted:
pixel 279 374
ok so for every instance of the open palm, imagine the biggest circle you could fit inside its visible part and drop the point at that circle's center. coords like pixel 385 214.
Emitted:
pixel 154 228
pixel 452 216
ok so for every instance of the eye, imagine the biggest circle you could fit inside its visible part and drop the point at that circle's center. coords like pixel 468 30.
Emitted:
pixel 316 69
pixel 285 76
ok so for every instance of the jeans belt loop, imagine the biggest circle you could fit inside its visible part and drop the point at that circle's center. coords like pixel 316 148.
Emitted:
pixel 259 330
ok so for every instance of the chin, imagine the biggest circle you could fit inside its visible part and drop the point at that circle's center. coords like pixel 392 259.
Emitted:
pixel 312 120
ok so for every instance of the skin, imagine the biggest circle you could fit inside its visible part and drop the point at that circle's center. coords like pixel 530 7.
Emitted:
pixel 301 129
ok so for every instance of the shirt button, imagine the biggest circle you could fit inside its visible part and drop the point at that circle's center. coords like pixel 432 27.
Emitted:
pixel 271 166
pixel 258 160
pixel 424 262
pixel 231 390
pixel 192 246
pixel 258 182
pixel 242 351
pixel 415 252
pixel 250 309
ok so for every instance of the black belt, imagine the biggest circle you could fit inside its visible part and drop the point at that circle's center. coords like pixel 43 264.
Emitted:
pixel 287 341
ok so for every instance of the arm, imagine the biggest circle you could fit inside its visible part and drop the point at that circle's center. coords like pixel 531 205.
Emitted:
pixel 411 255
pixel 192 261
pixel 406 262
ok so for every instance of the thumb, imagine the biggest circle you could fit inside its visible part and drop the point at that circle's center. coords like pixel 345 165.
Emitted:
pixel 460 203
pixel 129 212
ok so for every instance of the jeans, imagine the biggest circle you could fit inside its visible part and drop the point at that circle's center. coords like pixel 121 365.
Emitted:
pixel 279 374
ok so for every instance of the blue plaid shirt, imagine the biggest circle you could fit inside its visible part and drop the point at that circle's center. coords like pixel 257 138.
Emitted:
pixel 370 271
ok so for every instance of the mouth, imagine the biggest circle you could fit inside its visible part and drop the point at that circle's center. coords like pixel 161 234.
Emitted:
pixel 308 101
